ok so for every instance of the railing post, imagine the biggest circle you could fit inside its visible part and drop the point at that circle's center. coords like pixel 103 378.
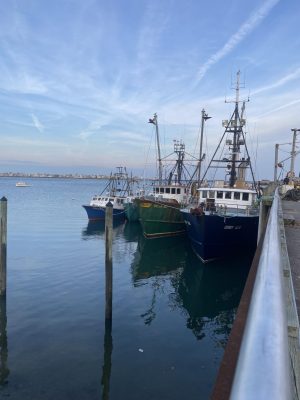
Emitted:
pixel 3 244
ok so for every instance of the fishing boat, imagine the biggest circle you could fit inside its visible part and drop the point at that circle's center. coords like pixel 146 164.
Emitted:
pixel 159 212
pixel 131 207
pixel 118 188
pixel 22 184
pixel 225 220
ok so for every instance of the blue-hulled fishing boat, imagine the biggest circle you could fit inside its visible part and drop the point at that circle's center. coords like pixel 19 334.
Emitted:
pixel 225 219
pixel 118 188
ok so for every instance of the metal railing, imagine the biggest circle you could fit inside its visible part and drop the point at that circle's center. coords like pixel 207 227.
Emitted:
pixel 263 368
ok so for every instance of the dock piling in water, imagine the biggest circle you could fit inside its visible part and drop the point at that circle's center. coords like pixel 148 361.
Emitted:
pixel 108 260
pixel 3 243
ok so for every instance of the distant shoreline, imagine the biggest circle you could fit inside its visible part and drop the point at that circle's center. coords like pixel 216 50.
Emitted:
pixel 56 176
pixel 62 176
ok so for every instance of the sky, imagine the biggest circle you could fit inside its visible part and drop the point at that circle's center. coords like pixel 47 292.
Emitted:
pixel 80 79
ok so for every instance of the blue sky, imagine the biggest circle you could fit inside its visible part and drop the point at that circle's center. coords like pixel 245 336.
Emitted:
pixel 79 79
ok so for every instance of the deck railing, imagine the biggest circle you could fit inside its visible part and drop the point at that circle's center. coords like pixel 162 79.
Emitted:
pixel 263 368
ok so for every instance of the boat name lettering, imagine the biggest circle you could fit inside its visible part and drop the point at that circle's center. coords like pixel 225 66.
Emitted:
pixel 232 227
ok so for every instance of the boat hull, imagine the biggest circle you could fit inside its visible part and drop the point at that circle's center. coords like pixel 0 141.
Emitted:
pixel 98 213
pixel 159 219
pixel 217 236
pixel 132 212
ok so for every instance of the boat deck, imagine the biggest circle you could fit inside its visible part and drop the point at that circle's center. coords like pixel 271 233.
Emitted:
pixel 291 215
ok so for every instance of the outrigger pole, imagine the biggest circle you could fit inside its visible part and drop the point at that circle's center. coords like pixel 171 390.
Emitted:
pixel 154 122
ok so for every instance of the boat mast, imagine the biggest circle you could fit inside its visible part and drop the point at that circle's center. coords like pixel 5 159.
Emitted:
pixel 154 122
pixel 203 119
pixel 179 149
pixel 236 134
pixel 293 152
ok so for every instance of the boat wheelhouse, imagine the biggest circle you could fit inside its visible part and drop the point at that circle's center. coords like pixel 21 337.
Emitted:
pixel 230 199
pixel 171 192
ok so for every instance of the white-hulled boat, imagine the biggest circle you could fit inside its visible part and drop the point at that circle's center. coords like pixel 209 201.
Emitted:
pixel 22 184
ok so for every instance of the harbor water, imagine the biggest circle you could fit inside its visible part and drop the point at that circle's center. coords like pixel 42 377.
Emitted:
pixel 171 316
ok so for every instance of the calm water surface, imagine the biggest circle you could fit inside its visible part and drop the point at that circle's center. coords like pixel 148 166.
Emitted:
pixel 171 314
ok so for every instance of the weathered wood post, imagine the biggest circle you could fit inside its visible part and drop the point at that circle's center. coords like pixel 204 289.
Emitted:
pixel 4 371
pixel 108 260
pixel 3 242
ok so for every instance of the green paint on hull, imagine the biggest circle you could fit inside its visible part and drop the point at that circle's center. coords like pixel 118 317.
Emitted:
pixel 131 212
pixel 160 219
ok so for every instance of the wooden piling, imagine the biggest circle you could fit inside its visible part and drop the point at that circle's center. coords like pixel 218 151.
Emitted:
pixel 3 243
pixel 108 260
pixel 4 371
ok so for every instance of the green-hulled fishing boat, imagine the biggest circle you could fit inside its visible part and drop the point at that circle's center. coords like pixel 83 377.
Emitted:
pixel 159 212
pixel 160 218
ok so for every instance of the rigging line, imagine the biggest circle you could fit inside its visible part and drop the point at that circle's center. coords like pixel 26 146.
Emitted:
pixel 253 179
pixel 251 143
pixel 215 151
pixel 198 140
pixel 218 163
pixel 148 152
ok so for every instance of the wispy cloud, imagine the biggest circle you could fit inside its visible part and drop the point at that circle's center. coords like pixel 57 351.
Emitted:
pixel 246 28
pixel 37 123
pixel 286 79
pixel 92 128
pixel 274 110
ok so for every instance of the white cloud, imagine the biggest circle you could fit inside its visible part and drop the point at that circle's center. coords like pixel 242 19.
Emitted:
pixel 37 124
pixel 286 79
pixel 246 28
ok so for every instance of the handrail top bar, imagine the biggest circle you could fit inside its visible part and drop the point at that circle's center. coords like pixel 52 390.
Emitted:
pixel 263 368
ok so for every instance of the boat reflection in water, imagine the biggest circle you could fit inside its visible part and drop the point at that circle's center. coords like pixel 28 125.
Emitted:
pixel 158 257
pixel 208 295
pixel 4 371
pixel 96 229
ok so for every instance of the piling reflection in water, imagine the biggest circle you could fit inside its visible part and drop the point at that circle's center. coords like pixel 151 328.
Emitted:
pixel 4 371
pixel 106 370
pixel 208 294
pixel 96 229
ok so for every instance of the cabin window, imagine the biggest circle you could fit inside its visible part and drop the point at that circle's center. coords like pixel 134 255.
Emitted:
pixel 184 190
pixel 178 191
pixel 204 194
pixel 227 195
pixel 167 190
pixel 122 201
pixel 156 190
pixel 219 194
pixel 245 196
pixel 211 194
pixel 162 190
pixel 173 190
pixel 111 200
pixel 105 199
pixel 237 195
